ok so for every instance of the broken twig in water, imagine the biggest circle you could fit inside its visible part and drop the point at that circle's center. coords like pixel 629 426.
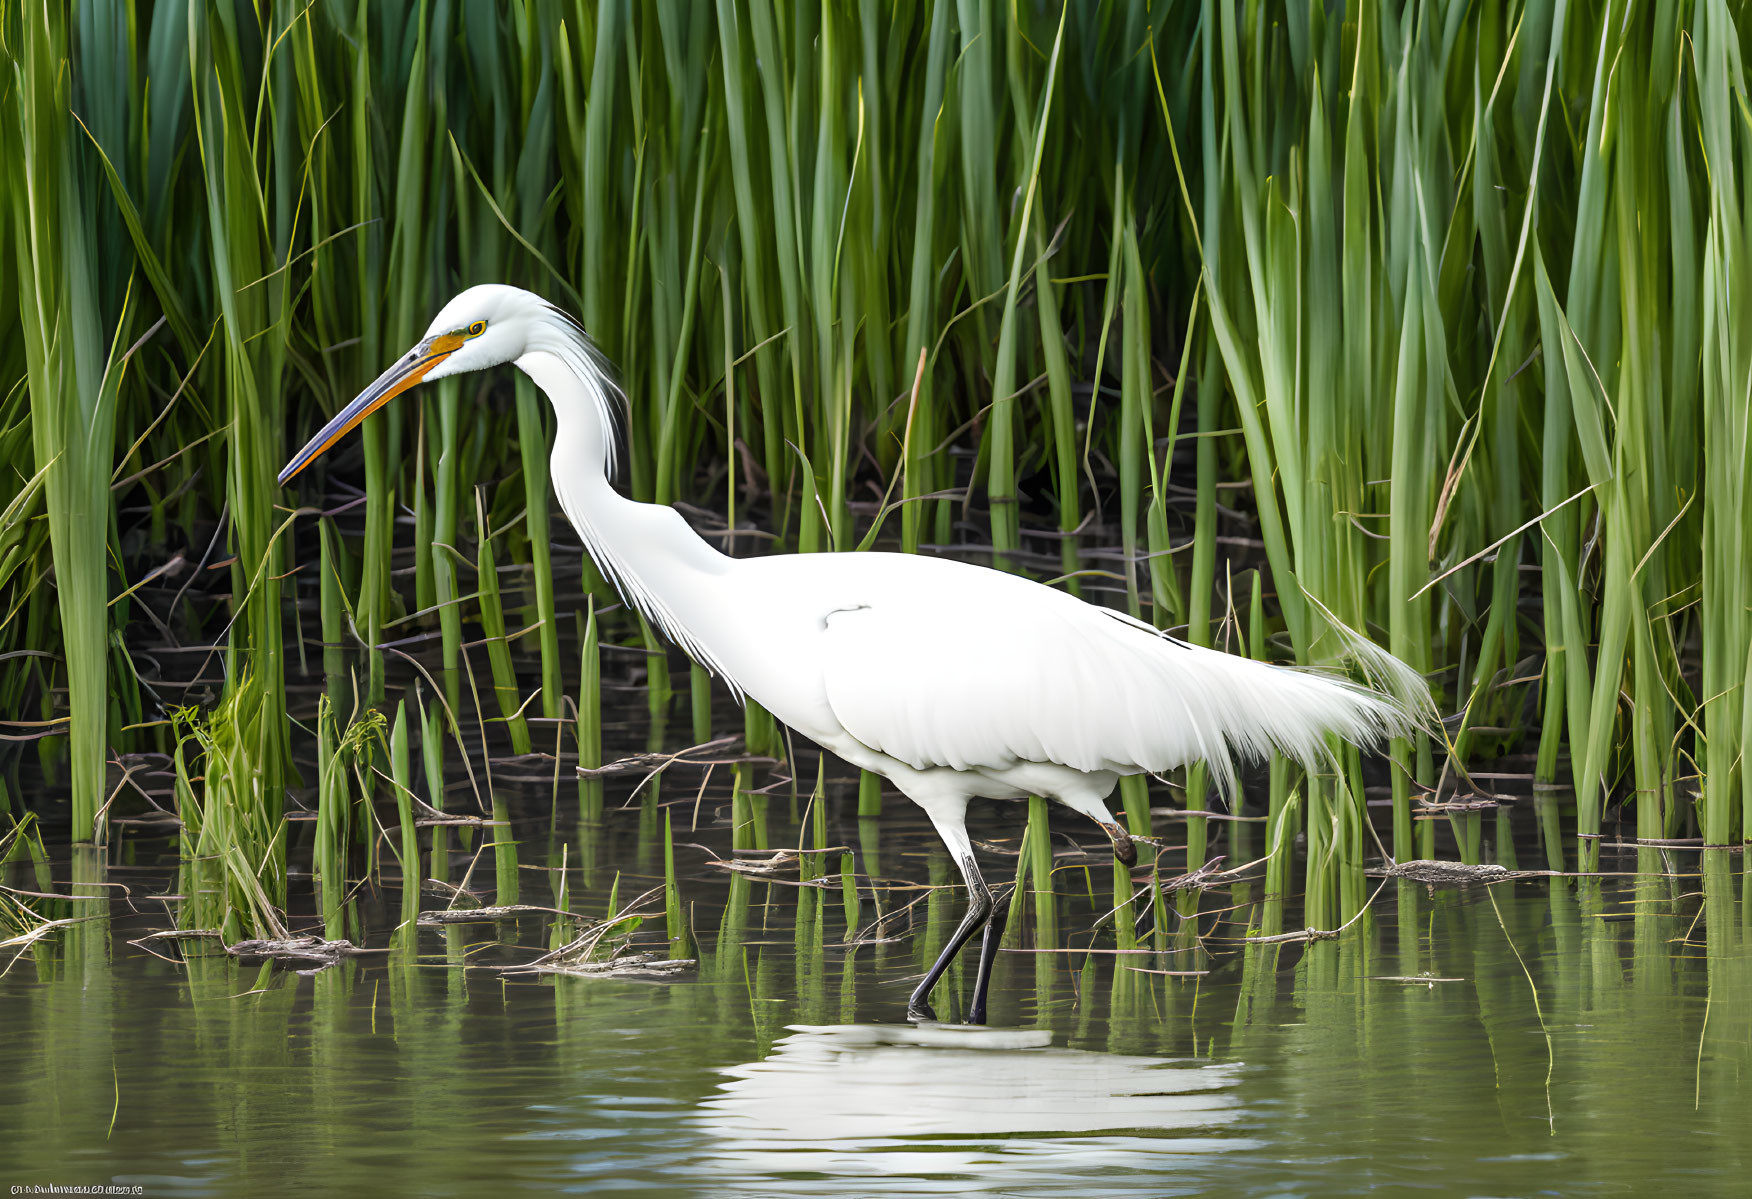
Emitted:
pixel 637 965
pixel 1454 874
pixel 178 934
pixel 314 950
pixel 682 757
pixel 1297 937
pixel 1196 880
pixel 504 912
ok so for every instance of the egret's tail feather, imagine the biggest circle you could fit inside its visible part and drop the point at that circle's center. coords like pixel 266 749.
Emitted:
pixel 1387 675
pixel 1252 708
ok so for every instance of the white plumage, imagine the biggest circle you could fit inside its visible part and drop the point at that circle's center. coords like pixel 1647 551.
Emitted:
pixel 946 664
pixel 950 680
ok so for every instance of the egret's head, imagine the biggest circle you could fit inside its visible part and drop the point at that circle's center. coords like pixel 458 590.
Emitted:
pixel 483 326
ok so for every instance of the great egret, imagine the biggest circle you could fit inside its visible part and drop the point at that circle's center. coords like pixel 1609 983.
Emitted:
pixel 949 680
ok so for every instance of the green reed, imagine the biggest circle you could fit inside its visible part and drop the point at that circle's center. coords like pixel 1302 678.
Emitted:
pixel 402 781
pixel 233 875
pixel 1426 312
pixel 675 918
pixel 73 343
pixel 345 754
pixel 588 718
pixel 432 728
pixel 498 646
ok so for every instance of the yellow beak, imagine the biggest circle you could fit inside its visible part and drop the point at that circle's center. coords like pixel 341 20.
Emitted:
pixel 407 371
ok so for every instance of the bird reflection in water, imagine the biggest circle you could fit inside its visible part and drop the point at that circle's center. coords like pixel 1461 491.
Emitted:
pixel 990 1109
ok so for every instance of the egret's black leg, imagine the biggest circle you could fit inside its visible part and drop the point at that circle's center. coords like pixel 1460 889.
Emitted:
pixel 979 908
pixel 988 954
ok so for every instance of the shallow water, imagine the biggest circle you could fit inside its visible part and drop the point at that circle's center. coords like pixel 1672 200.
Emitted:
pixel 1546 1036
pixel 1550 1036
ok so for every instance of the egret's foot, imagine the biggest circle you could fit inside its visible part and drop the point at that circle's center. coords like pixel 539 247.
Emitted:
pixel 920 1012
pixel 1123 849
pixel 976 1016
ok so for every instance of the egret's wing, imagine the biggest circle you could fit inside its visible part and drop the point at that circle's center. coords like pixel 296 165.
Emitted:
pixel 998 671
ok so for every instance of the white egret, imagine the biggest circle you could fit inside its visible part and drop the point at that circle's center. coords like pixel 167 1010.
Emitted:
pixel 951 681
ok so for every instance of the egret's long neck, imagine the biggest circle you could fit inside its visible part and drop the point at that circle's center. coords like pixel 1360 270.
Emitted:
pixel 660 565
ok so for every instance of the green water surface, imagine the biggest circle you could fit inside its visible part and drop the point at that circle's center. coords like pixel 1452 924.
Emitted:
pixel 1551 1036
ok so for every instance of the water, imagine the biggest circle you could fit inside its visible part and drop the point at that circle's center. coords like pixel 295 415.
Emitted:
pixel 1550 1036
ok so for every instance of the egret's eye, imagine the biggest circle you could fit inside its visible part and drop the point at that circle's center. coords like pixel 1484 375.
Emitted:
pixel 478 328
